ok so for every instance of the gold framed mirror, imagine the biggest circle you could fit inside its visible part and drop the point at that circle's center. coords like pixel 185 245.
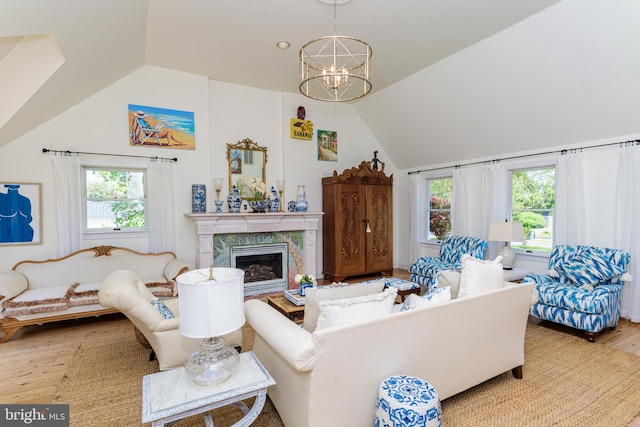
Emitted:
pixel 246 158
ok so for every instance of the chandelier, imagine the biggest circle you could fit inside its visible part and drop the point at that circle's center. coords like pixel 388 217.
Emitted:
pixel 335 68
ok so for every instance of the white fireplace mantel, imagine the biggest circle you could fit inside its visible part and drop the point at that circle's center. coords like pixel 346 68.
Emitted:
pixel 209 224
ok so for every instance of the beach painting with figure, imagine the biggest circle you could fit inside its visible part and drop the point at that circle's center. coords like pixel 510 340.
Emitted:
pixel 20 213
pixel 160 127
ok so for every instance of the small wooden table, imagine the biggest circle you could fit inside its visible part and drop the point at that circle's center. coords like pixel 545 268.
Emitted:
pixel 286 307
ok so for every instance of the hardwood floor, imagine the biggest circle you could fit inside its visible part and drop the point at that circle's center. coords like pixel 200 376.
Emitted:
pixel 36 358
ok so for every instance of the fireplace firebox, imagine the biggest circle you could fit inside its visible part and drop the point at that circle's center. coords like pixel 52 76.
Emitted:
pixel 265 267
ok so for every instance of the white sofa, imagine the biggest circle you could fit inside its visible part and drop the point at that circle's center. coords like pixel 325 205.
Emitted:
pixel 36 292
pixel 331 376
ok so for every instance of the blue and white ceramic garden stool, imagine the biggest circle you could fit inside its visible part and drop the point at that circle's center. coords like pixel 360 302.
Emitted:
pixel 405 401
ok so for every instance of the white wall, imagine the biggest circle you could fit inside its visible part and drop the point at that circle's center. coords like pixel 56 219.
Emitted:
pixel 224 113
pixel 600 172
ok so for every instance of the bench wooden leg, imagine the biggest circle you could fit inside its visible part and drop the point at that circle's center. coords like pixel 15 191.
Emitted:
pixel 517 372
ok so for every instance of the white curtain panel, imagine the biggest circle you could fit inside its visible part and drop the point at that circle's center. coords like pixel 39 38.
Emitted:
pixel 494 201
pixel 569 223
pixel 417 208
pixel 459 221
pixel 161 206
pixel 68 203
pixel 627 229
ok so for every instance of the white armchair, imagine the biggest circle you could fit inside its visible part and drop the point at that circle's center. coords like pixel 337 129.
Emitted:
pixel 124 291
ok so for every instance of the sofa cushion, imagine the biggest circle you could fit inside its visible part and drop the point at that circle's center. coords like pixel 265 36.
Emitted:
pixel 342 312
pixel 480 276
pixel 590 267
pixel 335 291
pixel 439 296
pixel 33 301
pixel 451 279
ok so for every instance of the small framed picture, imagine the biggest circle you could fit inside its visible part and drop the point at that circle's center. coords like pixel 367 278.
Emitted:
pixel 20 213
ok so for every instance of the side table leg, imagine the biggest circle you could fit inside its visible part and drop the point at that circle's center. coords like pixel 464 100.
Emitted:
pixel 251 415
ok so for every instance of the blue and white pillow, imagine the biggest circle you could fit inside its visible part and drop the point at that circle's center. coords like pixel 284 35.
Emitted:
pixel 440 295
pixel 164 311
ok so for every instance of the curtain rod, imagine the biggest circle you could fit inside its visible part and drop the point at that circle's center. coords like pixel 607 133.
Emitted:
pixel 46 150
pixel 563 152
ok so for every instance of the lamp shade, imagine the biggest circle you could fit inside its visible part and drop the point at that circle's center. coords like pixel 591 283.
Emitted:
pixel 506 232
pixel 211 308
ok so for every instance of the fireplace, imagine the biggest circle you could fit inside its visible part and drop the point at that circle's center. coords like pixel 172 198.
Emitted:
pixel 265 267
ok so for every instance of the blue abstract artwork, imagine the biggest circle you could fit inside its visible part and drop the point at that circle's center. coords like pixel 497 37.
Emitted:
pixel 20 213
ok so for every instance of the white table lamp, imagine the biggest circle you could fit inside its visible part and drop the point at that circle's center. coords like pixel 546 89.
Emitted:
pixel 506 232
pixel 211 302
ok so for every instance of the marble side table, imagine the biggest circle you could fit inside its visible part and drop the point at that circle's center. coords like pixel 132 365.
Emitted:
pixel 169 396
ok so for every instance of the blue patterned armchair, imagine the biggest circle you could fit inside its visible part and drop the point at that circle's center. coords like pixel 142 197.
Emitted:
pixel 426 270
pixel 582 288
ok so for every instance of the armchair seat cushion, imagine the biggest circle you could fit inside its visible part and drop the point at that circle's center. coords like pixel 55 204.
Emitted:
pixel 570 297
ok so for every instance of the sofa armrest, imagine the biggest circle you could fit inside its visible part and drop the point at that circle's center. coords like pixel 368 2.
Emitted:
pixel 174 268
pixel 292 342
pixel 167 325
pixel 12 284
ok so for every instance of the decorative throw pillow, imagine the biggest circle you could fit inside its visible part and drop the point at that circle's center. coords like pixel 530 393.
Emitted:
pixel 337 291
pixel 480 276
pixel 415 301
pixel 450 278
pixel 164 311
pixel 341 312
pixel 591 267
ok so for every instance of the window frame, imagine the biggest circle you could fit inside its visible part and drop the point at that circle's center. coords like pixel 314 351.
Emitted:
pixel 93 233
pixel 427 207
pixel 528 164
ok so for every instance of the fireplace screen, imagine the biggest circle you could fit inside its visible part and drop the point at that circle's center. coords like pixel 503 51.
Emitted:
pixel 265 267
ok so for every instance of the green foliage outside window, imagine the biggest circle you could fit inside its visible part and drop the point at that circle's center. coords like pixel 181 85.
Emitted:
pixel 115 199
pixel 440 207
pixel 533 201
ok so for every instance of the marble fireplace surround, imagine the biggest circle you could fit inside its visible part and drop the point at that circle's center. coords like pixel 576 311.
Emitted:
pixel 209 224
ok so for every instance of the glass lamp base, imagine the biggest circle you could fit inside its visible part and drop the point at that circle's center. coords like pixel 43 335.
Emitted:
pixel 213 363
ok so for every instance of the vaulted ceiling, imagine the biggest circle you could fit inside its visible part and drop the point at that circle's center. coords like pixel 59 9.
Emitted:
pixel 101 41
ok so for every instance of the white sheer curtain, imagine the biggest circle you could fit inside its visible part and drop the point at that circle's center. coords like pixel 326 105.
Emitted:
pixel 161 206
pixel 569 223
pixel 68 203
pixel 494 201
pixel 417 212
pixel 627 230
pixel 459 211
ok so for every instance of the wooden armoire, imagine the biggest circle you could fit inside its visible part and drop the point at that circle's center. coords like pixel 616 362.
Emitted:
pixel 357 232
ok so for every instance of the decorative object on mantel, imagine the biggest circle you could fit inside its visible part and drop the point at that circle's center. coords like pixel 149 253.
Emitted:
pixel 217 185
pixel 258 206
pixel 301 204
pixel 280 185
pixel 234 200
pixel 305 281
pixel 291 206
pixel 252 188
pixel 274 201
pixel 335 68
pixel 198 198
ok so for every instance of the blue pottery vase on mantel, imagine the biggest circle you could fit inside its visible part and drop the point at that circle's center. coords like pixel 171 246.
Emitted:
pixel 301 204
pixel 274 202
pixel 234 200
pixel 198 198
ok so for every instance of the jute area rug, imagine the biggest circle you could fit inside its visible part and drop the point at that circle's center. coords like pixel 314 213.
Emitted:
pixel 567 382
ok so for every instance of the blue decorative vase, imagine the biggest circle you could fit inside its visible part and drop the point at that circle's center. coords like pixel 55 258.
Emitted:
pixel 291 206
pixel 274 202
pixel 234 200
pixel 301 204
pixel 198 198
pixel 303 288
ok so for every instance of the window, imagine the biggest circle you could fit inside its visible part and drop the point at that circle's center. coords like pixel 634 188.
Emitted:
pixel 533 198
pixel 439 210
pixel 114 200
